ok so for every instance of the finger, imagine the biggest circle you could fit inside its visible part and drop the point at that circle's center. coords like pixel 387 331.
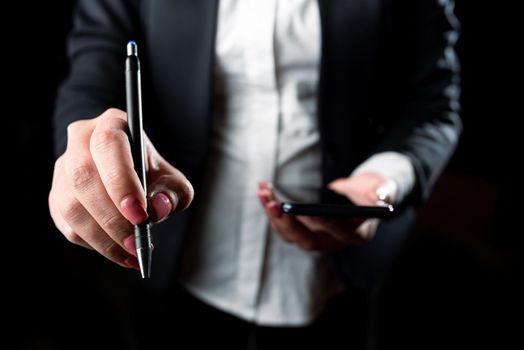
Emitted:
pixel 267 187
pixel 266 194
pixel 88 229
pixel 58 194
pixel 289 228
pixel 66 230
pixel 169 190
pixel 111 154
pixel 351 187
pixel 306 239
pixel 368 229
pixel 351 231
pixel 339 185
pixel 342 230
pixel 272 211
pixel 263 185
pixel 78 226
pixel 169 193
pixel 286 227
pixel 365 188
pixel 88 189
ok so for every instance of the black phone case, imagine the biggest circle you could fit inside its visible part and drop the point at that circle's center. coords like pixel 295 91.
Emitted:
pixel 337 210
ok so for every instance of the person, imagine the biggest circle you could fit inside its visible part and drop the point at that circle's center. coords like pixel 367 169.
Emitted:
pixel 246 104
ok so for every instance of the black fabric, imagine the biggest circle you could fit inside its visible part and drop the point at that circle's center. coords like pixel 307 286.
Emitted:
pixel 180 316
pixel 388 82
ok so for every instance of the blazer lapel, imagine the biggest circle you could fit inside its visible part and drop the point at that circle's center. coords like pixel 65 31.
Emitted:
pixel 350 38
pixel 350 41
pixel 181 36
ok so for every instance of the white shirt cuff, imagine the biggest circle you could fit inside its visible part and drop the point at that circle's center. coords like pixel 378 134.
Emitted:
pixel 393 166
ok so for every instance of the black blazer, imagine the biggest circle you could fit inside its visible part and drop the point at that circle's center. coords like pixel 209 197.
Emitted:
pixel 388 81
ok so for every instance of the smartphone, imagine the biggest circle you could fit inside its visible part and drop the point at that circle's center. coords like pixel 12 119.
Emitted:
pixel 337 210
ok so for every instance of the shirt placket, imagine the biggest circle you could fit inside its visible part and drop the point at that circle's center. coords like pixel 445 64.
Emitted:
pixel 261 145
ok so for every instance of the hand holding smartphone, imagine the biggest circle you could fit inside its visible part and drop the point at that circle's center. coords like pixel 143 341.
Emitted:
pixel 337 210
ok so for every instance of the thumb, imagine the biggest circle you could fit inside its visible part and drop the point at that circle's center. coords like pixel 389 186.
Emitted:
pixel 169 190
pixel 169 193
pixel 339 185
pixel 365 188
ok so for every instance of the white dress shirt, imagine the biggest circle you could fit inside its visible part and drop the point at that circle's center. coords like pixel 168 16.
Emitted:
pixel 264 128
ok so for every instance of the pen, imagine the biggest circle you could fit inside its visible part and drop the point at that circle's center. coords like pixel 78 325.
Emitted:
pixel 143 239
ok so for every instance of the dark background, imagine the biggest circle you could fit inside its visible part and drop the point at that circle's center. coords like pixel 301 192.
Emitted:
pixel 454 283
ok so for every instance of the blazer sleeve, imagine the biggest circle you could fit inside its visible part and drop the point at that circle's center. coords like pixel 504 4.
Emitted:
pixel 429 125
pixel 96 53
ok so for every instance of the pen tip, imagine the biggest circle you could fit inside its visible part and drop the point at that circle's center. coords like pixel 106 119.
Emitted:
pixel 145 256
pixel 132 48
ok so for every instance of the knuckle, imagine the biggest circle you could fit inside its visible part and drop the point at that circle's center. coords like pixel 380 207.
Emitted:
pixel 73 238
pixel 114 178
pixel 113 223
pixel 106 136
pixel 82 174
pixel 72 210
pixel 74 127
pixel 110 249
pixel 112 113
pixel 77 128
pixel 59 164
pixel 103 139
pixel 188 191
pixel 58 178
pixel 52 209
pixel 185 194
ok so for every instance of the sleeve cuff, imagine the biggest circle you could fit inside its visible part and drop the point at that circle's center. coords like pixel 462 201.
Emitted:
pixel 393 166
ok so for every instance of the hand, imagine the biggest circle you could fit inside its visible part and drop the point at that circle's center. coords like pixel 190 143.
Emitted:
pixel 321 233
pixel 96 196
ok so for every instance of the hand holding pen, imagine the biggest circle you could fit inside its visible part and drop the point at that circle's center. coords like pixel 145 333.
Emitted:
pixel 96 197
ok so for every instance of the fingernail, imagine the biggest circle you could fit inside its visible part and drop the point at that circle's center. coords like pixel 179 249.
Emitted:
pixel 132 262
pixel 129 244
pixel 133 211
pixel 160 207
pixel 262 197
